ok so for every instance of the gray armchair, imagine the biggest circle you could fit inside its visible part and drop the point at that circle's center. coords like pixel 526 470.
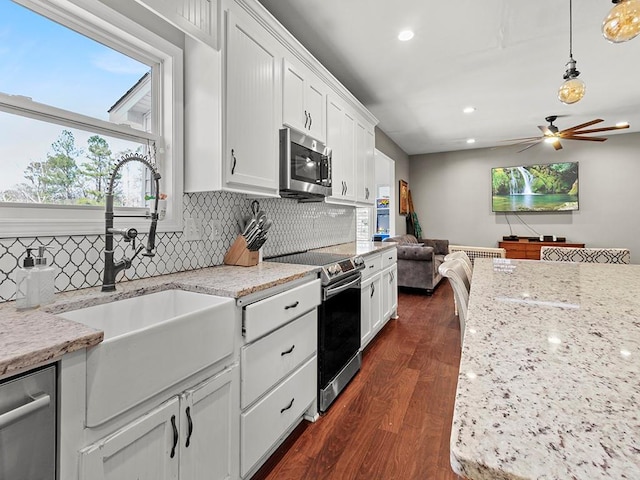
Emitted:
pixel 418 261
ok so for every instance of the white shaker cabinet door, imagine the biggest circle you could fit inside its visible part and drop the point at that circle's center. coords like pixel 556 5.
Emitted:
pixel 294 113
pixel 145 449
pixel 210 429
pixel 341 125
pixel 252 98
pixel 315 105
pixel 390 294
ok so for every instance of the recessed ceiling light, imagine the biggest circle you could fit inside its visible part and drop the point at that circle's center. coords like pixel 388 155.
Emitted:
pixel 469 109
pixel 405 35
pixel 471 140
pixel 622 124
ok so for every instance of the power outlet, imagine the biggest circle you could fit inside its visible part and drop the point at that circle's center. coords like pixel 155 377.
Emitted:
pixel 192 229
pixel 216 229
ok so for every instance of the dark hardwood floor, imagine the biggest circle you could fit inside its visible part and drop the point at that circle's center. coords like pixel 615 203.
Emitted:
pixel 394 419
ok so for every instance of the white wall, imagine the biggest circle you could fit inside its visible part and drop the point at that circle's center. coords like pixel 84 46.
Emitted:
pixel 452 194
pixel 401 161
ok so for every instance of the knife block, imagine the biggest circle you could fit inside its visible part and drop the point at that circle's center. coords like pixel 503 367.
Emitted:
pixel 238 254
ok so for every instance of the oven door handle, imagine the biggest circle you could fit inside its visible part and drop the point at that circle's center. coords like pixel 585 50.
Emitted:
pixel 332 292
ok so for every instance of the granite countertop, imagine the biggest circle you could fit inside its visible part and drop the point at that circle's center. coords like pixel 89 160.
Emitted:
pixel 34 337
pixel 549 383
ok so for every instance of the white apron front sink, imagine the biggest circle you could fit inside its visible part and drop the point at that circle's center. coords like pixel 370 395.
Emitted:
pixel 151 342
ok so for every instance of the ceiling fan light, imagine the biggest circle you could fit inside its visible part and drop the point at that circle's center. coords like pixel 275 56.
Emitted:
pixel 571 91
pixel 551 140
pixel 623 22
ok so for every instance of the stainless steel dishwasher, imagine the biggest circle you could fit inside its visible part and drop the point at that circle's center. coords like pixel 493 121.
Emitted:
pixel 28 426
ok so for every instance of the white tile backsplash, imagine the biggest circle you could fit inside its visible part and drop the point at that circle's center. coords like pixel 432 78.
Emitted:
pixel 296 227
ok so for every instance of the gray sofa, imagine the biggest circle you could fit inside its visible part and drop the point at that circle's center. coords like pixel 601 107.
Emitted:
pixel 418 261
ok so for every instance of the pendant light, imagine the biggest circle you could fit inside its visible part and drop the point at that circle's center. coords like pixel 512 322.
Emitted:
pixel 623 22
pixel 573 89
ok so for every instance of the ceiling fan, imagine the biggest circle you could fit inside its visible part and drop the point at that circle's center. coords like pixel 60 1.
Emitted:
pixel 551 134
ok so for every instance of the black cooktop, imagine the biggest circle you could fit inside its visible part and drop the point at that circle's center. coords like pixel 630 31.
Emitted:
pixel 319 259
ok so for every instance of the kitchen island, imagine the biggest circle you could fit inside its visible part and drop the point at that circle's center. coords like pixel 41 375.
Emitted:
pixel 549 382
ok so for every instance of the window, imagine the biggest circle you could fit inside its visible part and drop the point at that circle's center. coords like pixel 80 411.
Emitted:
pixel 81 86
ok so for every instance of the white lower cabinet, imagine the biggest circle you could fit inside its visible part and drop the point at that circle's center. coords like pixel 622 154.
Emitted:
pixel 264 423
pixel 378 293
pixel 210 432
pixel 144 449
pixel 389 292
pixel 279 372
pixel 370 308
pixel 191 436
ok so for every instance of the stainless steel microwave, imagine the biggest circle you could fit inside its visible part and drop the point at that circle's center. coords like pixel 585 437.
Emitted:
pixel 305 166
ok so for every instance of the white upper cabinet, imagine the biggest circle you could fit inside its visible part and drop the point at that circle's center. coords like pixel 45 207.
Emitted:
pixel 303 101
pixel 250 159
pixel 365 164
pixel 340 138
pixel 197 18
pixel 238 98
pixel 353 143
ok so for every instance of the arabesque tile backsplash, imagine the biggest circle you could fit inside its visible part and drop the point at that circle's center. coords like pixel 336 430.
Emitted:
pixel 296 226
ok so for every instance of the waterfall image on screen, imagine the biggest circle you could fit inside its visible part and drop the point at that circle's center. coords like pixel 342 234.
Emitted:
pixel 535 188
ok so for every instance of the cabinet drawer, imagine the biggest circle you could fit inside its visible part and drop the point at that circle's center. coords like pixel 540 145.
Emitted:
pixel 273 357
pixel 267 315
pixel 372 265
pixel 263 424
pixel 389 257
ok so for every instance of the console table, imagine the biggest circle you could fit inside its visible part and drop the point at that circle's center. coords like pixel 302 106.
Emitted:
pixel 526 249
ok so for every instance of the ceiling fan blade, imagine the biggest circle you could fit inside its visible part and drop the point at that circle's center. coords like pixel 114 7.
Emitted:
pixel 545 130
pixel 603 129
pixel 589 139
pixel 557 145
pixel 582 125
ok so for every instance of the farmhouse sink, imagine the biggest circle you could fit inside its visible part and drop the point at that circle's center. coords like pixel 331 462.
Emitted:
pixel 151 342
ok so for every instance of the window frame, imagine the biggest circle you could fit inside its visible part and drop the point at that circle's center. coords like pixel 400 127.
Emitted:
pixel 115 30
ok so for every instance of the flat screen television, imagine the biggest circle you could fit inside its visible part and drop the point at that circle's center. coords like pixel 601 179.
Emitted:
pixel 535 188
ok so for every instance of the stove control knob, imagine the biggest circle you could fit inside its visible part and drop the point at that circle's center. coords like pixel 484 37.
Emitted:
pixel 334 270
pixel 358 261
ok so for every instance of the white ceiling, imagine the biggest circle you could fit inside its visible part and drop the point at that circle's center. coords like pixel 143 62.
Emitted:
pixel 504 57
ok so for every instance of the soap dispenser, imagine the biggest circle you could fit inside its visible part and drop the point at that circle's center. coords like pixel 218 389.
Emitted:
pixel 46 277
pixel 27 285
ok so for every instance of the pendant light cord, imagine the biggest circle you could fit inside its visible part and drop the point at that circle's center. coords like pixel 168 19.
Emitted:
pixel 570 30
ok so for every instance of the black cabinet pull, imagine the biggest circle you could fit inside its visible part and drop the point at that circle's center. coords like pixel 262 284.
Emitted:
pixel 293 305
pixel 310 120
pixel 306 119
pixel 288 351
pixel 233 167
pixel 373 289
pixel 346 188
pixel 288 406
pixel 175 436
pixel 190 427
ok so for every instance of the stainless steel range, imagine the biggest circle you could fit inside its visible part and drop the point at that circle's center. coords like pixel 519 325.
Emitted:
pixel 339 356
